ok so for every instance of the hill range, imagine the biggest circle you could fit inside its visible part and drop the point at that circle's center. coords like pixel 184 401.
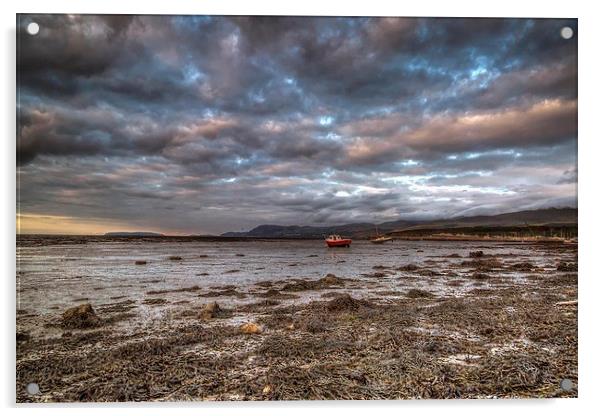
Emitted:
pixel 533 221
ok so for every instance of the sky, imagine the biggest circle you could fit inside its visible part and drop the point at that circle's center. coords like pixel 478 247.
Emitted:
pixel 208 124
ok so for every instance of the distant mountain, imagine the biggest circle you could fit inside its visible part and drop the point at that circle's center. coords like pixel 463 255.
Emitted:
pixel 132 234
pixel 532 217
pixel 297 231
pixel 364 230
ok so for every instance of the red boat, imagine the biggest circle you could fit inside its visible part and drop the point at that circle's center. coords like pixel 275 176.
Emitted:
pixel 336 240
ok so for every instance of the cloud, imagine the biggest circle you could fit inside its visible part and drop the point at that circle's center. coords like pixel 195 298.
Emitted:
pixel 568 176
pixel 227 122
pixel 545 123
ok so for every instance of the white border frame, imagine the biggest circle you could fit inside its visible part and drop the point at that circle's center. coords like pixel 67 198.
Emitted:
pixel 589 153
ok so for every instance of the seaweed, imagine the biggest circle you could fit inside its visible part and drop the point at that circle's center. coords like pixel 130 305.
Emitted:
pixel 419 293
pixel 515 340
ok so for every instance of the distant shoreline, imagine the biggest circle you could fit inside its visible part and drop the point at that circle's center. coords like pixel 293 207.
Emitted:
pixel 534 239
pixel 25 240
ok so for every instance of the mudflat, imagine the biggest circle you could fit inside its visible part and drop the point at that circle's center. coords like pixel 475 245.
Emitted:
pixel 137 320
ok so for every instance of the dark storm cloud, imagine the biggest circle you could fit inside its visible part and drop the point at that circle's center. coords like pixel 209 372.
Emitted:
pixel 86 46
pixel 228 122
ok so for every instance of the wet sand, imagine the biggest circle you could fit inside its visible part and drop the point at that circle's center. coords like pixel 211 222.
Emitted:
pixel 296 321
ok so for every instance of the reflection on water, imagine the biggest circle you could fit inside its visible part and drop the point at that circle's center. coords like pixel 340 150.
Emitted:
pixel 55 276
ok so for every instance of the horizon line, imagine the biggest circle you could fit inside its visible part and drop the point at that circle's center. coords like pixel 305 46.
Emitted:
pixel 161 234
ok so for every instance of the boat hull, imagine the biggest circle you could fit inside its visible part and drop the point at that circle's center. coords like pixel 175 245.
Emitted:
pixel 380 240
pixel 339 243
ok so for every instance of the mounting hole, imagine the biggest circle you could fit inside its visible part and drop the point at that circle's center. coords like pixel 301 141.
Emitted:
pixel 566 32
pixel 33 389
pixel 566 384
pixel 33 28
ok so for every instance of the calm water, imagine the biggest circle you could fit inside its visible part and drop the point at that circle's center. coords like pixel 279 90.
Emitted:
pixel 51 277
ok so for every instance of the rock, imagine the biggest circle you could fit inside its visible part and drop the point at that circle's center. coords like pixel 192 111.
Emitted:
pixel 251 328
pixel 211 310
pixel 331 279
pixel 212 307
pixel 140 262
pixel 347 303
pixel 476 254
pixel 175 258
pixel 82 316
